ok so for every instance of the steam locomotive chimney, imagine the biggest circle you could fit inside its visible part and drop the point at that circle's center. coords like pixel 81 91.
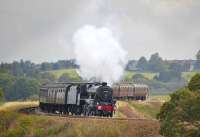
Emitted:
pixel 104 83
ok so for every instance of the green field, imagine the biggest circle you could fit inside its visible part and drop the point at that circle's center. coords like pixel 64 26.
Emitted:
pixel 72 73
pixel 129 74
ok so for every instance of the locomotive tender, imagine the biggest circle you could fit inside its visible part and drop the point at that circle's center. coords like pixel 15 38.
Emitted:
pixel 88 99
pixel 130 91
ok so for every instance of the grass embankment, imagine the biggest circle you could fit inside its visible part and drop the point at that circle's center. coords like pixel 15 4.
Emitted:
pixel 148 110
pixel 141 109
pixel 151 107
pixel 14 124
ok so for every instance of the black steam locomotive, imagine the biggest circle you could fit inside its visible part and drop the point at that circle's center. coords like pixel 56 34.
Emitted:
pixel 88 99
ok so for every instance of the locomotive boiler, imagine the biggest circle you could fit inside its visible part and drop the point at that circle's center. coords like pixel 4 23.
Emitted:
pixel 88 99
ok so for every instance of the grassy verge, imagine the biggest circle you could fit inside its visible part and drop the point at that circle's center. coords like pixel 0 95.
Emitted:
pixel 159 98
pixel 13 106
pixel 151 107
pixel 148 110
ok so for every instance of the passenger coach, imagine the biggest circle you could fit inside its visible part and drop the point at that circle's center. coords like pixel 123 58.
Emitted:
pixel 130 91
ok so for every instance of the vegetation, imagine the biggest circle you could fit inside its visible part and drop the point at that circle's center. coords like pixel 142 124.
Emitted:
pixel 1 95
pixel 194 84
pixel 70 73
pixel 166 76
pixel 188 75
pixel 20 80
pixel 61 64
pixel 141 109
pixel 142 64
pixel 180 116
pixel 149 110
pixel 161 99
pixel 130 74
pixel 197 64
pixel 18 87
pixel 157 64
pixel 151 107
pixel 16 124
pixel 158 87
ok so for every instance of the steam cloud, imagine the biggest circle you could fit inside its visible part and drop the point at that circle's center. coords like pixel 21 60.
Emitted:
pixel 99 54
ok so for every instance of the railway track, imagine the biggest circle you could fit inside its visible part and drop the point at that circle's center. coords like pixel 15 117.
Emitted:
pixel 36 111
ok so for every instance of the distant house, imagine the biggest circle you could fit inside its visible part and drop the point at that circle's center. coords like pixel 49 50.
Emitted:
pixel 189 64
pixel 131 66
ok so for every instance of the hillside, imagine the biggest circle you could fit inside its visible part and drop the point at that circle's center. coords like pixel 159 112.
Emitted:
pixel 72 73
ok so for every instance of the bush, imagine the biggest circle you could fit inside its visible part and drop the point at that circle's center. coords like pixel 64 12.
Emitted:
pixel 138 76
pixel 194 83
pixel 1 94
pixel 67 78
pixel 180 116
pixel 167 76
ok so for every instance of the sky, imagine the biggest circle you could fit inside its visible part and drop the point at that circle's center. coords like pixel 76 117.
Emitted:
pixel 42 30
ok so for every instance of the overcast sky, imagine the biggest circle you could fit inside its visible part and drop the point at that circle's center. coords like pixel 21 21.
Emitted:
pixel 42 30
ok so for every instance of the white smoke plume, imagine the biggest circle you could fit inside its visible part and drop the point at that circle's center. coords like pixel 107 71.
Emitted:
pixel 99 54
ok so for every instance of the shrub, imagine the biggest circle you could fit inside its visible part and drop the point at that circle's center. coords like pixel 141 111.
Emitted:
pixel 180 116
pixel 194 83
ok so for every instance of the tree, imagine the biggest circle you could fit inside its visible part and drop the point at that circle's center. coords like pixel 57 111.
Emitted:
pixel 179 65
pixel 167 76
pixel 156 64
pixel 16 69
pixel 23 88
pixel 64 78
pixel 142 64
pixel 6 82
pixel 180 116
pixel 138 76
pixel 1 94
pixel 198 55
pixel 47 77
pixel 197 63
pixel 194 83
pixel 67 78
pixel 46 66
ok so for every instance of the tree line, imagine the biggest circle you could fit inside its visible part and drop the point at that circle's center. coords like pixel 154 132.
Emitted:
pixel 30 69
pixel 157 64
pixel 21 80
pixel 167 70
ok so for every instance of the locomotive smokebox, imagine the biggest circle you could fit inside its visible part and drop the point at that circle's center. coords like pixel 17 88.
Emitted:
pixel 104 83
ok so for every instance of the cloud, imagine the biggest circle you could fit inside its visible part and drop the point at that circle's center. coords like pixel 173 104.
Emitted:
pixel 43 30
